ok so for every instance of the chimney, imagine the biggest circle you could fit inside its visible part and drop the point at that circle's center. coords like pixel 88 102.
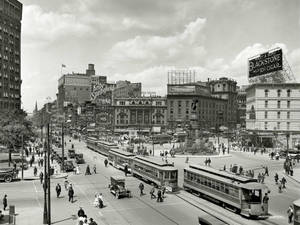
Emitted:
pixel 91 70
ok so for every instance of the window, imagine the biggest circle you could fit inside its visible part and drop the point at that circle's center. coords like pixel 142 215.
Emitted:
pixel 266 93
pixel 266 125
pixel 278 115
pixel 287 125
pixel 278 93
pixel 187 104
pixel 288 93
pixel 171 103
pixel 288 115
pixel 278 125
pixel 266 104
pixel 179 103
pixel 278 104
pixel 266 115
pixel 288 104
pixel 179 110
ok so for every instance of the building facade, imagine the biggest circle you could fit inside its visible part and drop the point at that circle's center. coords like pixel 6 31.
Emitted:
pixel 241 110
pixel 226 89
pixel 273 107
pixel 143 114
pixel 194 101
pixel 126 89
pixel 10 54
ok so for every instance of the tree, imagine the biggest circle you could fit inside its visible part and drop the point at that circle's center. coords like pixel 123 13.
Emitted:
pixel 13 126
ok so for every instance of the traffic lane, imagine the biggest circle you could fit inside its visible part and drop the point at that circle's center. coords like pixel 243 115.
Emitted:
pixel 140 209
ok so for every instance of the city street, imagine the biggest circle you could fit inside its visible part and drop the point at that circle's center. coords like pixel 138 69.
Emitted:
pixel 181 208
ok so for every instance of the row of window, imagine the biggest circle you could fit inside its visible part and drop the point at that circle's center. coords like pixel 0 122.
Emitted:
pixel 278 127
pixel 206 104
pixel 278 115
pixel 288 93
pixel 212 183
pixel 288 104
pixel 158 103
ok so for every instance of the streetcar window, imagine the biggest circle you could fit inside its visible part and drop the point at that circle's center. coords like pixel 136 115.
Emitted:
pixel 217 185
pixel 226 189
pixel 208 182
pixel 213 184
pixel 167 175
pixel 173 175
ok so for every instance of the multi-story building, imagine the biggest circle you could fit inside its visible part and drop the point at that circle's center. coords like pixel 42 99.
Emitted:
pixel 10 54
pixel 209 111
pixel 143 114
pixel 241 102
pixel 75 88
pixel 226 89
pixel 126 89
pixel 273 108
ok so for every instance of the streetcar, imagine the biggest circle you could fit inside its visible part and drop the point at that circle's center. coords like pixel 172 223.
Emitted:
pixel 119 158
pixel 156 172
pixel 103 147
pixel 91 143
pixel 242 194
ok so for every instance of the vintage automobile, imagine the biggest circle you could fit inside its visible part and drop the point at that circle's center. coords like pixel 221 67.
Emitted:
pixel 79 158
pixel 69 166
pixel 117 187
pixel 71 153
pixel 8 174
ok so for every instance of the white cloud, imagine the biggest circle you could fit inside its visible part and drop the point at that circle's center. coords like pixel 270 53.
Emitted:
pixel 40 26
pixel 182 48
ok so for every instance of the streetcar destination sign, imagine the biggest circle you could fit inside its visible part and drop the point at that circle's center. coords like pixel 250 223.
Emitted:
pixel 265 63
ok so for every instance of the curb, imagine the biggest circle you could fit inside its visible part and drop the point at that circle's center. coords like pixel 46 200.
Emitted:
pixel 294 179
pixel 201 156
pixel 52 177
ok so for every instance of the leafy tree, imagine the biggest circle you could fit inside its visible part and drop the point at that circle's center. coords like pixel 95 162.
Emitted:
pixel 13 126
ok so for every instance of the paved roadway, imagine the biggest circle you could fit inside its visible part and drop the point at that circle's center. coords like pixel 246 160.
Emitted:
pixel 176 209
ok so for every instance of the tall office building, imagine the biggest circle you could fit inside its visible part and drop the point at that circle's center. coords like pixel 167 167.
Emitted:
pixel 10 54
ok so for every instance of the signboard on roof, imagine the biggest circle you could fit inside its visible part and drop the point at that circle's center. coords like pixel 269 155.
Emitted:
pixel 265 63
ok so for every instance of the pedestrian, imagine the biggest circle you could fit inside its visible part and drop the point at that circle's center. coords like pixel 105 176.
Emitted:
pixel 77 169
pixel 92 222
pixel 163 191
pixel 265 202
pixel 87 171
pixel 15 165
pixel 105 162
pixel 259 178
pixel 224 168
pixel 262 178
pixel 42 162
pixel 66 184
pixel 35 171
pixel 71 193
pixel 266 171
pixel 58 190
pixel 159 196
pixel 141 187
pixel 4 202
pixel 276 178
pixel 209 161
pixel 187 159
pixel 290 213
pixel 279 188
pixel 126 170
pixel 100 200
pixel 80 212
pixel 291 171
pixel 283 181
pixel 152 191
pixel 41 177
pixel 95 169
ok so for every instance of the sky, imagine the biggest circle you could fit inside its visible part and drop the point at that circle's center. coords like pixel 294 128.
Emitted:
pixel 140 40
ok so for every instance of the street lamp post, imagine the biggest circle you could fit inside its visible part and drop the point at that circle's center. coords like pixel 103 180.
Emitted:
pixel 45 214
pixel 287 144
pixel 22 162
pixel 49 174
pixel 62 146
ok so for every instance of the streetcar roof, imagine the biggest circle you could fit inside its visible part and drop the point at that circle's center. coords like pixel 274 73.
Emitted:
pixel 254 186
pixel 155 163
pixel 222 174
pixel 107 143
pixel 297 202
pixel 121 152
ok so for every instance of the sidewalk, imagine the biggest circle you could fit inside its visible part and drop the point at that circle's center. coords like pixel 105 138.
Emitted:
pixel 29 173
pixel 296 175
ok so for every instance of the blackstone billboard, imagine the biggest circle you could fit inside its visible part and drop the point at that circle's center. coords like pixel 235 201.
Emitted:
pixel 265 63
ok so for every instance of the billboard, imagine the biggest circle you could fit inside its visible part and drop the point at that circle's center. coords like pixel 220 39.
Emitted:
pixel 181 89
pixel 265 63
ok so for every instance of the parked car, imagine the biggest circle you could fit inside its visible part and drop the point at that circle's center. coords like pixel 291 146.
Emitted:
pixel 71 153
pixel 79 158
pixel 69 166
pixel 8 174
pixel 117 187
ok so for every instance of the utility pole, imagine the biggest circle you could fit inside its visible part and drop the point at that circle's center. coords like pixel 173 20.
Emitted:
pixel 22 169
pixel 287 144
pixel 62 146
pixel 49 174
pixel 45 215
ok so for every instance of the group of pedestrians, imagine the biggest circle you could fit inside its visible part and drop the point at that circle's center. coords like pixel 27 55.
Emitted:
pixel 83 219
pixel 159 195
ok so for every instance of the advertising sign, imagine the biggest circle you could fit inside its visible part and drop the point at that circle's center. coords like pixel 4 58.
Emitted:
pixel 265 63
pixel 179 89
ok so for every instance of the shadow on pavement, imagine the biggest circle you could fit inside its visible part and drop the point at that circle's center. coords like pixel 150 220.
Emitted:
pixel 73 217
